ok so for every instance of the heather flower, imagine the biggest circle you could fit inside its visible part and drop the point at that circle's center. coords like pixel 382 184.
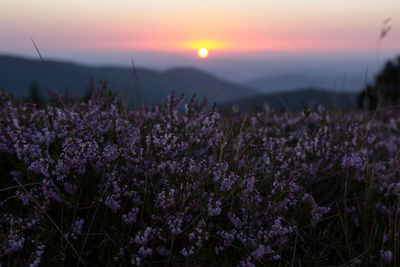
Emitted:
pixel 247 263
pixel 214 210
pixel 25 198
pixel 176 184
pixel 112 204
pixel 145 252
pixel 166 200
pixel 386 256
pixel 121 252
pixel 77 228
pixel 260 252
pixel 227 182
pixel 187 252
pixel 162 251
pixel 37 256
pixel 318 213
pixel 136 261
pixel 142 239
pixel 130 218
pixel 175 224
pixel 14 244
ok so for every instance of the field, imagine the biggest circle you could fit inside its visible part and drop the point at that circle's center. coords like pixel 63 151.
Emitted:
pixel 96 184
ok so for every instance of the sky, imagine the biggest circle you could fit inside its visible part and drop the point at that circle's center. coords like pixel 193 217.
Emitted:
pixel 166 33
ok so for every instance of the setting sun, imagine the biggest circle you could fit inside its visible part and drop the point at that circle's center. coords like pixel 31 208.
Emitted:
pixel 203 52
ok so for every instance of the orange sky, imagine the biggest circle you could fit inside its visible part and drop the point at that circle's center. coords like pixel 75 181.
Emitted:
pixel 179 26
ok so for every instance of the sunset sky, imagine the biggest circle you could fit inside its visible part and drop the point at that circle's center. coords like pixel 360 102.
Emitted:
pixel 86 30
pixel 176 25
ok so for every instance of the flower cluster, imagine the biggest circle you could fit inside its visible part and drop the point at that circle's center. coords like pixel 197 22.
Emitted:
pixel 91 184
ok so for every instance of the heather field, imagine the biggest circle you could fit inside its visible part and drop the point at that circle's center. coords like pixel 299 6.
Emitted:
pixel 96 184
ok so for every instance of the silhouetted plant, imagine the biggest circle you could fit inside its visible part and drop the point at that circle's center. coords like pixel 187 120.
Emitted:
pixel 386 88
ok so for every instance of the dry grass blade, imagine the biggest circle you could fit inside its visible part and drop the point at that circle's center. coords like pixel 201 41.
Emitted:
pixel 17 186
pixel 51 220
pixel 366 98
pixel 92 221
pixel 239 138
pixel 342 92
pixel 48 73
pixel 385 29
pixel 136 84
pixel 123 98
pixel 284 105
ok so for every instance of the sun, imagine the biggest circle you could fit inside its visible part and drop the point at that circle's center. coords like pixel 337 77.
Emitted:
pixel 203 52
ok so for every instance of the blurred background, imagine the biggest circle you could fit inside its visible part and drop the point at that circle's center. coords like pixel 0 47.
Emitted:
pixel 260 53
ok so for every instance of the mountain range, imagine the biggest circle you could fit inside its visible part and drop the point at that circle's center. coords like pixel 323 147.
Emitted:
pixel 17 74
pixel 295 100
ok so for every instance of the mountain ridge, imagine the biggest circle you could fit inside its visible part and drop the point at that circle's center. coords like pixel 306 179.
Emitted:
pixel 295 99
pixel 18 73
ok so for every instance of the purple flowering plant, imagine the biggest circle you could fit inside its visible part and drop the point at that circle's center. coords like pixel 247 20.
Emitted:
pixel 89 184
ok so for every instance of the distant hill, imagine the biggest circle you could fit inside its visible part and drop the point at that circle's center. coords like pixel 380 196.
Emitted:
pixel 294 100
pixel 17 74
pixel 288 82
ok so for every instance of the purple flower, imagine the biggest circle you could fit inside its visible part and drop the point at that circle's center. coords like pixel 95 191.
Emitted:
pixel 37 256
pixel 386 256
pixel 14 244
pixel 112 204
pixel 145 252
pixel 187 252
pixel 214 210
pixel 77 228
pixel 130 218
pixel 143 238
pixel 162 251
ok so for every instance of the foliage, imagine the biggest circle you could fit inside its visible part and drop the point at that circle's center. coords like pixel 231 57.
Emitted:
pixel 386 89
pixel 89 184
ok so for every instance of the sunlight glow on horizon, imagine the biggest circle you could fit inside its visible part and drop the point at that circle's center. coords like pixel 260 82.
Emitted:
pixel 180 26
